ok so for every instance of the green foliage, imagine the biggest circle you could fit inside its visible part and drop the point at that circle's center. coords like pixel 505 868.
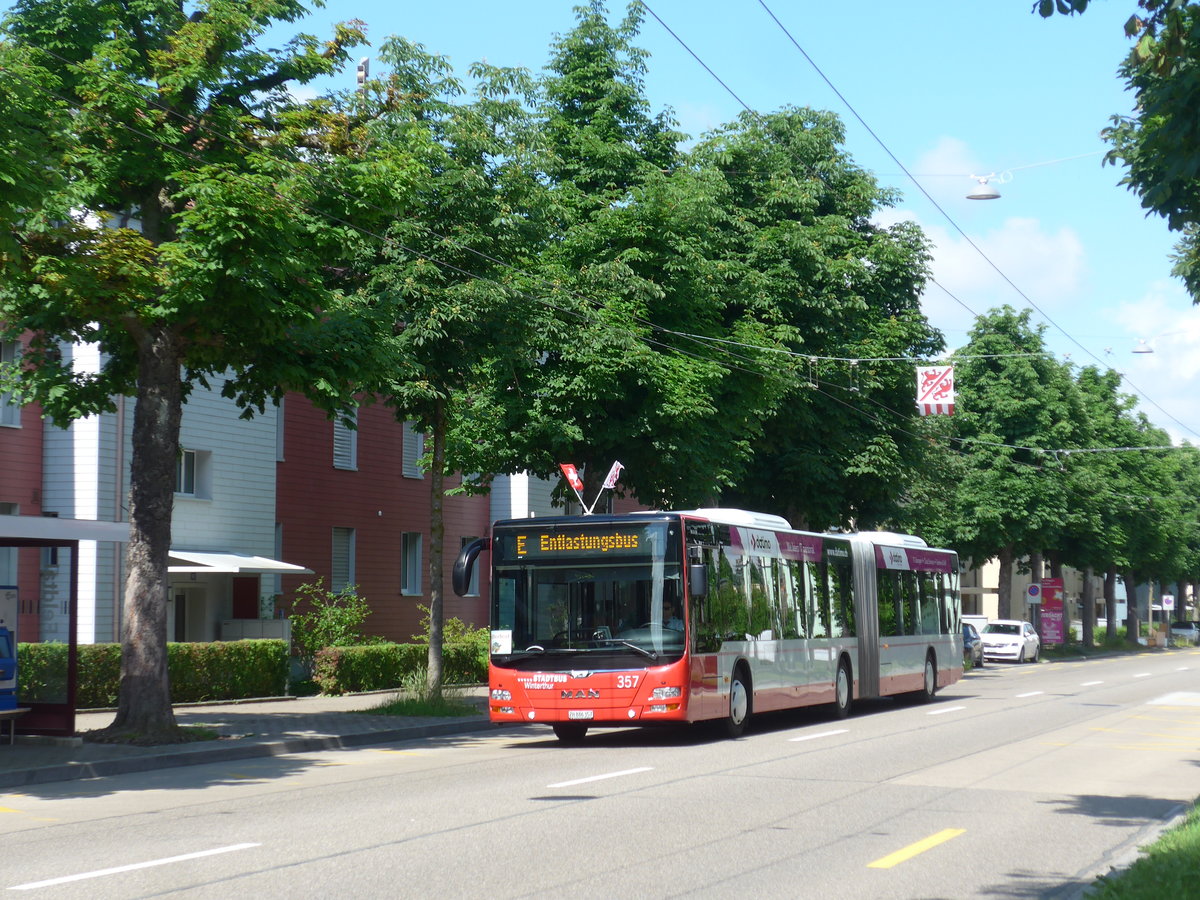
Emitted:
pixel 341 670
pixel 329 619
pixel 227 670
pixel 177 234
pixel 419 700
pixel 454 631
pixel 223 670
pixel 1166 869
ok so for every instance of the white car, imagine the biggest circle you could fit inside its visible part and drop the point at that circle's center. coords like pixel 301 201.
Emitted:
pixel 1010 639
pixel 1188 632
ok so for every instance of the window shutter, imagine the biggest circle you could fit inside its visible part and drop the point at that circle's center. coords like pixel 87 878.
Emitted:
pixel 345 444
pixel 414 449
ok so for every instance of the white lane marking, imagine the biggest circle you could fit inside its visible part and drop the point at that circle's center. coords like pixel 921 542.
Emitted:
pixel 1183 668
pixel 601 777
pixel 1029 694
pixel 820 734
pixel 938 712
pixel 1177 698
pixel 1091 683
pixel 1142 675
pixel 130 868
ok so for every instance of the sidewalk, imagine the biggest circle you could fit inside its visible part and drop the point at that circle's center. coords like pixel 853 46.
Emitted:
pixel 268 727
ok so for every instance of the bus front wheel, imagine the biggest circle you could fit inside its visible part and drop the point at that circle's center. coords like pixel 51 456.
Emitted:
pixel 739 703
pixel 843 690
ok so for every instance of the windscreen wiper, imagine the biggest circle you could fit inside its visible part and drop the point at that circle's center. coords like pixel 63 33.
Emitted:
pixel 649 654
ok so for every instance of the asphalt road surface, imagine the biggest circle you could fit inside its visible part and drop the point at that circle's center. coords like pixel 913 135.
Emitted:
pixel 1019 781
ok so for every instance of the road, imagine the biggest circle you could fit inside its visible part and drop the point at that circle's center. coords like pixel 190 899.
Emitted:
pixel 1020 781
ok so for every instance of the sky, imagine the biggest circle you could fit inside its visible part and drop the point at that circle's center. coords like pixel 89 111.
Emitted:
pixel 940 91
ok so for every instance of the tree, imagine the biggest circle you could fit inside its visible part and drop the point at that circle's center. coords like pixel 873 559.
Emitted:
pixel 176 234
pixel 1015 405
pixel 1156 143
pixel 804 261
pixel 443 268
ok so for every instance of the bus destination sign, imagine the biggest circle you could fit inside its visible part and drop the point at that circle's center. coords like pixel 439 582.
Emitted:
pixel 615 541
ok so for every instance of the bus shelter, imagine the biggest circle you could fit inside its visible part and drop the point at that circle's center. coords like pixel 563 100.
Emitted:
pixel 48 585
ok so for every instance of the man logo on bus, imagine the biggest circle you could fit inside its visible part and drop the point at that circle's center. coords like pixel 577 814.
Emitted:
pixel 589 694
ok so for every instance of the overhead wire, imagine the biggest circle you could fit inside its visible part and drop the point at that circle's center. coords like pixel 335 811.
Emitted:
pixel 699 339
pixel 954 224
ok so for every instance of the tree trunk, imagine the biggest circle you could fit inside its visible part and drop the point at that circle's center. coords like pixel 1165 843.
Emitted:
pixel 1132 625
pixel 1087 601
pixel 437 539
pixel 1004 583
pixel 144 702
pixel 1110 604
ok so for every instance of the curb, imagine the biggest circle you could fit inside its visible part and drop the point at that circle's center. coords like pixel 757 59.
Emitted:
pixel 75 771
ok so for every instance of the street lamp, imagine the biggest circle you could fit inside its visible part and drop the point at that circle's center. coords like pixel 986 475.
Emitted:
pixel 984 190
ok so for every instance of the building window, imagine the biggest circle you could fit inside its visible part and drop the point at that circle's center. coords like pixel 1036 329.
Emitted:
pixel 473 587
pixel 341 574
pixel 185 473
pixel 345 441
pixel 193 477
pixel 410 564
pixel 10 412
pixel 414 449
pixel 8 555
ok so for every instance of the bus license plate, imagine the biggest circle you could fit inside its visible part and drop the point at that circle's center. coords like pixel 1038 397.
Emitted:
pixel 579 714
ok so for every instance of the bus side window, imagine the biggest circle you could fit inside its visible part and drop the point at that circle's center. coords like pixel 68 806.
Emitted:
pixel 764 599
pixel 841 597
pixel 930 595
pixel 889 603
pixel 910 603
pixel 951 601
pixel 820 604
pixel 790 610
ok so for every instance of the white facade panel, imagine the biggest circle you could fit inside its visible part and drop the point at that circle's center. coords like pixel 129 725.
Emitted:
pixel 520 496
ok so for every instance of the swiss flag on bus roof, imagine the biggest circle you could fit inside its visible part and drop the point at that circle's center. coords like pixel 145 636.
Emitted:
pixel 572 476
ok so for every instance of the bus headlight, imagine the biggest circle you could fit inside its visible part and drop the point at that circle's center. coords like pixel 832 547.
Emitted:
pixel 664 693
pixel 498 694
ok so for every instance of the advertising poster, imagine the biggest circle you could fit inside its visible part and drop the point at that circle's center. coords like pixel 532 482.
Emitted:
pixel 1052 611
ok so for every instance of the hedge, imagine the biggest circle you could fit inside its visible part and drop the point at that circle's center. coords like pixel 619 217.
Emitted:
pixel 223 670
pixel 375 667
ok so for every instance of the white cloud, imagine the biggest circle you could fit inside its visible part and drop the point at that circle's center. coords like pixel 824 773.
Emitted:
pixel 1015 264
pixel 1165 321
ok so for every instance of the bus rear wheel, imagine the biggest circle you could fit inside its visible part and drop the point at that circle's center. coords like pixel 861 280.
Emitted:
pixel 739 703
pixel 843 690
pixel 929 686
pixel 570 732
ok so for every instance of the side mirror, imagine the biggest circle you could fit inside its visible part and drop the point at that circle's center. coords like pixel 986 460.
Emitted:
pixel 697 580
pixel 464 566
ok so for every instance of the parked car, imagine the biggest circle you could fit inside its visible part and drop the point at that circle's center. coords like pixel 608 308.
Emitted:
pixel 972 645
pixel 1186 631
pixel 1010 639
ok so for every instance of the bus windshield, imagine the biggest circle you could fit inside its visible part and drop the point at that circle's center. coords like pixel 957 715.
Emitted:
pixel 586 590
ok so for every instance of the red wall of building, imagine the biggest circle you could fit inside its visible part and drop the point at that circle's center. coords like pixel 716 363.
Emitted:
pixel 21 484
pixel 380 504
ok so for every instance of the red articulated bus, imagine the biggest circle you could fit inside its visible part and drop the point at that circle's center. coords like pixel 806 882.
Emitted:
pixel 707 614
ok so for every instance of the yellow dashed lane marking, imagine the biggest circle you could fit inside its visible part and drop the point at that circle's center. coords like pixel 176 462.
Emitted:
pixel 894 859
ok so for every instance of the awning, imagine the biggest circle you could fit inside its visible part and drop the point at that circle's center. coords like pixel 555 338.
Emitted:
pixel 53 528
pixel 230 564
